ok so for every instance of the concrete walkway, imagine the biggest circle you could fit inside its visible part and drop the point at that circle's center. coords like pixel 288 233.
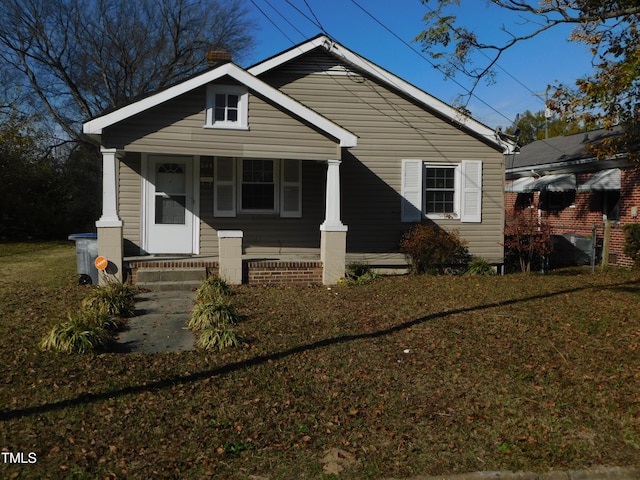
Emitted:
pixel 160 324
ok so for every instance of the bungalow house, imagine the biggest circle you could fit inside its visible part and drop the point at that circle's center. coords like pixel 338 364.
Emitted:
pixel 577 194
pixel 291 168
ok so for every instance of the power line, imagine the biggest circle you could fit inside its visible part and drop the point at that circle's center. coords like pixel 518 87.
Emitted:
pixel 314 16
pixel 272 22
pixel 456 30
pixel 468 92
pixel 285 19
pixel 315 23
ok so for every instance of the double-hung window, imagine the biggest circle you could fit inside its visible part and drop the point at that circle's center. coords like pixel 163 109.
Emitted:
pixel 227 107
pixel 451 191
pixel 440 190
pixel 258 186
pixel 255 186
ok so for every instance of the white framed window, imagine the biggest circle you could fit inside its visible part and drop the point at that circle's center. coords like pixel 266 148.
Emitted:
pixel 227 107
pixel 257 186
pixel 441 190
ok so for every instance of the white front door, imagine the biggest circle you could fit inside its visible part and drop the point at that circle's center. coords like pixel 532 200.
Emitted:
pixel 169 205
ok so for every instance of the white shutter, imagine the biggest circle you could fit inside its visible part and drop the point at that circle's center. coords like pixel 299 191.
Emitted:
pixel 224 187
pixel 291 189
pixel 471 191
pixel 411 185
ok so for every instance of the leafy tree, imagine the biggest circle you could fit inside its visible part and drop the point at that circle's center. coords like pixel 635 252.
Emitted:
pixel 73 59
pixel 608 29
pixel 530 127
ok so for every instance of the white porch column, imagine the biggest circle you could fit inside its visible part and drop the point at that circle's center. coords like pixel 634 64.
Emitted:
pixel 333 233
pixel 110 242
pixel 109 216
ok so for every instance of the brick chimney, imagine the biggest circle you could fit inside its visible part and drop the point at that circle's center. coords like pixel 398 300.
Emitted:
pixel 217 57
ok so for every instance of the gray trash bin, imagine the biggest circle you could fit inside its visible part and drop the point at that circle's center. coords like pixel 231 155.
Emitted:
pixel 86 254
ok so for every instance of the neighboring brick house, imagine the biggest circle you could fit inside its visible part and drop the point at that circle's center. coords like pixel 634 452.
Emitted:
pixel 575 192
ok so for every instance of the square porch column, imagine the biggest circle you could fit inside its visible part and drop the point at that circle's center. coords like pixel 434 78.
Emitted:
pixel 230 255
pixel 110 242
pixel 333 233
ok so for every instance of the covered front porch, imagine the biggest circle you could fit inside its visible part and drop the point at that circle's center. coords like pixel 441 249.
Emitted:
pixel 283 269
pixel 243 247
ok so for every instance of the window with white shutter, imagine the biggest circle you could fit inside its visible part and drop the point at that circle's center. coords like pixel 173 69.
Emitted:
pixel 224 187
pixel 441 190
pixel 291 189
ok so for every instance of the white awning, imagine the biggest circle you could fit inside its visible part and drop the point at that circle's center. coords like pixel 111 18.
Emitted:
pixel 602 180
pixel 520 185
pixel 556 183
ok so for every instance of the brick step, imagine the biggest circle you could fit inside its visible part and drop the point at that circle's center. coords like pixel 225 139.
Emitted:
pixel 184 286
pixel 164 279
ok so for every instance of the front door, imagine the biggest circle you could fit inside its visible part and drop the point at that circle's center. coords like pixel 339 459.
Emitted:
pixel 170 205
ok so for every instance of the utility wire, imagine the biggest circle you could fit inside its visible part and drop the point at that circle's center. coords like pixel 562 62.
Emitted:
pixel 272 22
pixel 285 19
pixel 314 16
pixel 500 67
pixel 420 54
pixel 314 22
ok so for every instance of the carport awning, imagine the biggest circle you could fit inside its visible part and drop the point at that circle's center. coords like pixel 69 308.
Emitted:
pixel 556 183
pixel 602 180
pixel 520 185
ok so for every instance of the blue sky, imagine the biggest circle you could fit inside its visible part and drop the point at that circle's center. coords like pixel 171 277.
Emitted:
pixel 524 70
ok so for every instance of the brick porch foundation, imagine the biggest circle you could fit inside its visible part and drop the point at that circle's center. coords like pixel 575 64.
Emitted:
pixel 256 272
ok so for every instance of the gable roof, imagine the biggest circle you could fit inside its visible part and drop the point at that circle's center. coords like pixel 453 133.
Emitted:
pixel 568 152
pixel 346 138
pixel 390 80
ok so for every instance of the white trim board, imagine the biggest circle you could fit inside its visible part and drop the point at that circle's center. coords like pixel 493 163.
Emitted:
pixel 346 138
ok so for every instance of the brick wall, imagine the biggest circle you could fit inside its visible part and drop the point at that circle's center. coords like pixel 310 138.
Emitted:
pixel 211 266
pixel 586 211
pixel 284 273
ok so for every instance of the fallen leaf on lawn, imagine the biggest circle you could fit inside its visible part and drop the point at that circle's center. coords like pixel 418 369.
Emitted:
pixel 336 460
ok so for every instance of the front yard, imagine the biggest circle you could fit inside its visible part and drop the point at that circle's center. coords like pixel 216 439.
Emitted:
pixel 405 375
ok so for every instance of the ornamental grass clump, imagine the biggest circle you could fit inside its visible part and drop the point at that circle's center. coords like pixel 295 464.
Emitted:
pixel 114 298
pixel 83 332
pixel 211 289
pixel 359 273
pixel 214 316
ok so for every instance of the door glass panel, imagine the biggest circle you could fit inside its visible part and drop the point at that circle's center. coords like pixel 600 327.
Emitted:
pixel 171 195
pixel 170 210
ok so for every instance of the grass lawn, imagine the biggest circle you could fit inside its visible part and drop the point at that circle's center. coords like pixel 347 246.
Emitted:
pixel 406 375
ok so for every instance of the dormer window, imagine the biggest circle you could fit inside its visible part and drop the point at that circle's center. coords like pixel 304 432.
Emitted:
pixel 227 107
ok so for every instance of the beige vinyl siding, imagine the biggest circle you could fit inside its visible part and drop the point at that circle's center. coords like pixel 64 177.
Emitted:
pixel 129 201
pixel 177 127
pixel 268 233
pixel 391 127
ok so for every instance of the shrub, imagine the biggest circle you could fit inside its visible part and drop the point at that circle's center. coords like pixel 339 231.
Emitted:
pixel 115 298
pixel 632 242
pixel 77 335
pixel 526 238
pixel 211 289
pixel 479 266
pixel 359 273
pixel 430 248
